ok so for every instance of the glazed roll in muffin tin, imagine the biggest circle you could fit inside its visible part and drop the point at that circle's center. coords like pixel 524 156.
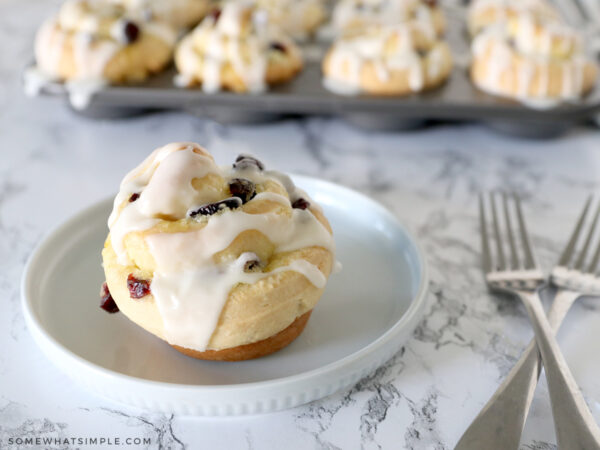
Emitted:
pixel 522 50
pixel 376 74
pixel 236 48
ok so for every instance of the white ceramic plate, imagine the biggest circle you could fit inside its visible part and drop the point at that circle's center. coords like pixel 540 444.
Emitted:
pixel 367 312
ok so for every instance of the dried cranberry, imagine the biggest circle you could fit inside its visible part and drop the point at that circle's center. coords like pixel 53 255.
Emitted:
pixel 107 303
pixel 137 288
pixel 131 32
pixel 252 265
pixel 300 203
pixel 215 14
pixel 242 189
pixel 245 162
pixel 212 208
pixel 421 52
pixel 278 46
pixel 134 197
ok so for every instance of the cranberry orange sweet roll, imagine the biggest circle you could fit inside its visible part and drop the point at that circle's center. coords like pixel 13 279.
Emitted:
pixel 532 60
pixel 93 40
pixel 236 48
pixel 386 60
pixel 222 263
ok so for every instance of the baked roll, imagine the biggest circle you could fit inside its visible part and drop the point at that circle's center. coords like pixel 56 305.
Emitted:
pixel 224 263
pixel 386 60
pixel 236 48
pixel 533 61
pixel 97 41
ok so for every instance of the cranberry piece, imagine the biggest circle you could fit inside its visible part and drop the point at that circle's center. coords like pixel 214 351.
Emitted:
pixel 107 303
pixel 300 204
pixel 242 189
pixel 131 32
pixel 134 197
pixel 215 14
pixel 278 46
pixel 246 161
pixel 137 288
pixel 212 208
pixel 252 265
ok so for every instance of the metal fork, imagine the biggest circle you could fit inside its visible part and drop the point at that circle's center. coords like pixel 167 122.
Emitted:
pixel 500 423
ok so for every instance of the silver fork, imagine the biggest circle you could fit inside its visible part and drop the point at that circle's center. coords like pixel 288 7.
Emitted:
pixel 500 423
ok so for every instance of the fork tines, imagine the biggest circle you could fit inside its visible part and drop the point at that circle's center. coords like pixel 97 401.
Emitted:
pixel 497 261
pixel 576 259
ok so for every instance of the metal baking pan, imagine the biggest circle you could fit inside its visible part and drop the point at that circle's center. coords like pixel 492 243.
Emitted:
pixel 457 100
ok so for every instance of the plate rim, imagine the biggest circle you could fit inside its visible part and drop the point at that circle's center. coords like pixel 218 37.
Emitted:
pixel 39 332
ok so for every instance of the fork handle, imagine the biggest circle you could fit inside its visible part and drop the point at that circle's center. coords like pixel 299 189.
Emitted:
pixel 575 426
pixel 500 423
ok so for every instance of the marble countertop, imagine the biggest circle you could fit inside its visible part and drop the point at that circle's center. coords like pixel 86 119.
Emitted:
pixel 54 163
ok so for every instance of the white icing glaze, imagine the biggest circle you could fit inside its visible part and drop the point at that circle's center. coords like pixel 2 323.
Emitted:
pixel 141 214
pixel 81 91
pixel 34 81
pixel 189 288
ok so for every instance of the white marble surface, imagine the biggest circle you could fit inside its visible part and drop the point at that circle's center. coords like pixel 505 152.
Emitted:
pixel 53 163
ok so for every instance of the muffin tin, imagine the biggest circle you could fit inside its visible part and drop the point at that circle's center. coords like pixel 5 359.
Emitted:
pixel 457 100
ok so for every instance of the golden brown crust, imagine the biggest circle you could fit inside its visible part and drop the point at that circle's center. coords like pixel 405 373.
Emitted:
pixel 256 349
